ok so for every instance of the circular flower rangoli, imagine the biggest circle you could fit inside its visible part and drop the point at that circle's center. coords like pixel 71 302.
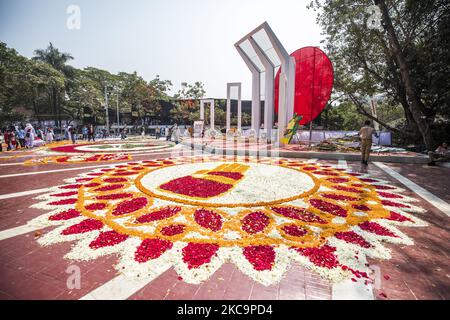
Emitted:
pixel 195 213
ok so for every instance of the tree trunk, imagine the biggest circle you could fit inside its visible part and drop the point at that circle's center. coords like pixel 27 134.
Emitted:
pixel 415 105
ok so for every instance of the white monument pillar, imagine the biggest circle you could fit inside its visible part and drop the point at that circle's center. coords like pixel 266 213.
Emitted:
pixel 256 88
pixel 239 106
pixel 269 88
pixel 211 110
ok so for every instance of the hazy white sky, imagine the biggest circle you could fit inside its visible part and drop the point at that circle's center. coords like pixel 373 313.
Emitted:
pixel 181 40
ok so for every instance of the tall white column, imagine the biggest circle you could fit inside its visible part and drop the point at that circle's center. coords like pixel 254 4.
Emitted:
pixel 228 106
pixel 239 111
pixel 212 113
pixel 269 88
pixel 202 110
pixel 256 102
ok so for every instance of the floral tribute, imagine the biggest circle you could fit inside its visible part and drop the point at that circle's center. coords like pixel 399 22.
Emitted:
pixel 107 147
pixel 195 213
pixel 83 158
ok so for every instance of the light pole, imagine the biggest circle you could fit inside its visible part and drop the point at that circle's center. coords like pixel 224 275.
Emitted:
pixel 106 107
pixel 117 105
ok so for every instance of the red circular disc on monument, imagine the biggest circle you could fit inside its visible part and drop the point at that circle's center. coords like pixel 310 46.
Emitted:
pixel 313 83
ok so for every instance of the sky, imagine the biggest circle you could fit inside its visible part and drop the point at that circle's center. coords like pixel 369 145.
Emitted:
pixel 179 40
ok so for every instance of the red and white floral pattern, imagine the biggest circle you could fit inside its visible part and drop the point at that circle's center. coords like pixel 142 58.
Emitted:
pixel 328 220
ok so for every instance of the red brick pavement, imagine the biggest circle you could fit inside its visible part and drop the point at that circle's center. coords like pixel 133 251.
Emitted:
pixel 28 271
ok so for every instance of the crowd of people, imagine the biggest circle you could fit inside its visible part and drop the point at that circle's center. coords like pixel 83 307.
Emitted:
pixel 17 137
pixel 24 136
pixel 21 136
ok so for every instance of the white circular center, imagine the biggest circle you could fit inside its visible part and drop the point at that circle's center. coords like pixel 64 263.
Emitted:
pixel 260 183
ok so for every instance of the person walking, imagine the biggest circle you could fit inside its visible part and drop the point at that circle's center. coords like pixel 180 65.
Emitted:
pixel 91 133
pixel 365 134
pixel 176 133
pixel 143 133
pixel 157 133
pixel 20 134
pixel 168 133
pixel 72 132
pixel 85 133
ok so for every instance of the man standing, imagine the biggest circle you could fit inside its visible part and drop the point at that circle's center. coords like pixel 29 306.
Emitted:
pixel 91 133
pixel 365 134
pixel 176 133
pixel 157 133
pixel 85 132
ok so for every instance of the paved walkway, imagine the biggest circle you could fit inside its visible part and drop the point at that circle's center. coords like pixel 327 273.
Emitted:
pixel 28 271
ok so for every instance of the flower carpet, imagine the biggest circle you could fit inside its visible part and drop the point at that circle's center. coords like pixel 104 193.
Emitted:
pixel 109 147
pixel 82 158
pixel 196 213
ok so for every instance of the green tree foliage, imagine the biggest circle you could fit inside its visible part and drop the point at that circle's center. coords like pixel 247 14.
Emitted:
pixel 406 60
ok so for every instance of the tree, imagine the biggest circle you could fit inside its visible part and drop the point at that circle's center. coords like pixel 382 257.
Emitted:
pixel 406 60
pixel 57 60
pixel 25 83
pixel 187 106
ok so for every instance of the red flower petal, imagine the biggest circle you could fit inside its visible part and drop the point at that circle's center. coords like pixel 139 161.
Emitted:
pixel 298 214
pixel 195 187
pixel 353 237
pixel 322 257
pixel 294 230
pixel 109 187
pixel 208 219
pixel 71 186
pixel 114 196
pixel 173 230
pixel 328 207
pixel 197 254
pixel 339 197
pixel 347 189
pixel 361 207
pixel 107 239
pixel 115 180
pixel 376 228
pixel 151 249
pixel 83 227
pixel 65 215
pixel 130 206
pixel 338 180
pixel 261 257
pixel 398 217
pixel 161 214
pixel 389 195
pixel 95 206
pixel 65 194
pixel 255 222
pixel 63 202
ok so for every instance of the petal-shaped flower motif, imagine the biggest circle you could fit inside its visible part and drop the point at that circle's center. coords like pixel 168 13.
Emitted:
pixel 65 215
pixel 261 257
pixel 255 222
pixel 151 249
pixel 130 206
pixel 107 239
pixel 328 207
pixel 197 254
pixel 208 219
pixel 83 227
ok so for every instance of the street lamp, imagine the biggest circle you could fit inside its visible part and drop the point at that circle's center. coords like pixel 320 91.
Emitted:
pixel 117 89
pixel 106 109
